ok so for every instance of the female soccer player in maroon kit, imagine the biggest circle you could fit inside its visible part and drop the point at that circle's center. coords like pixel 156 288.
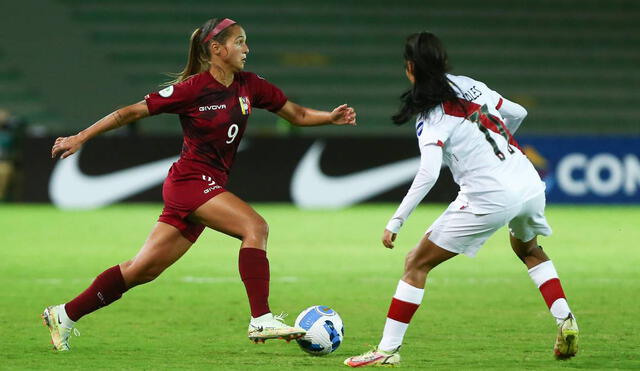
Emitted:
pixel 213 98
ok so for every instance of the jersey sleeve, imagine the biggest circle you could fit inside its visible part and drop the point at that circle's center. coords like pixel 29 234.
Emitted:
pixel 435 129
pixel 265 94
pixel 495 98
pixel 426 177
pixel 512 112
pixel 172 99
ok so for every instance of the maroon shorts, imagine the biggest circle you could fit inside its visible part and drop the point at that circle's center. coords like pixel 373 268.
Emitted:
pixel 187 187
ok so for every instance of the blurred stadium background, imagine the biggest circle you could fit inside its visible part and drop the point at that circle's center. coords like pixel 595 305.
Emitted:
pixel 65 63
pixel 572 63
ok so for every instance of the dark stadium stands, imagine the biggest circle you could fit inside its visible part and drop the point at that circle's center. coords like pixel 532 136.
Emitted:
pixel 572 63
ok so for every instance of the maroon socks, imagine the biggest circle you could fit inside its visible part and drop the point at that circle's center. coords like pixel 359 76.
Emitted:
pixel 105 289
pixel 109 286
pixel 254 272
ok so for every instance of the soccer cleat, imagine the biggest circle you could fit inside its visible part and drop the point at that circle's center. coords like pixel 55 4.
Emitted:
pixel 59 334
pixel 269 326
pixel 567 341
pixel 375 357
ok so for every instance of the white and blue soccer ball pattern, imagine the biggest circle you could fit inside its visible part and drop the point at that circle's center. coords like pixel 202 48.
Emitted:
pixel 325 330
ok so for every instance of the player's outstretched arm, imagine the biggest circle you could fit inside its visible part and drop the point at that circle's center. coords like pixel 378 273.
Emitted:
pixel 303 116
pixel 66 146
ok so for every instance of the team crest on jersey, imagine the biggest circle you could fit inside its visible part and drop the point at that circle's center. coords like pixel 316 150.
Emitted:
pixel 245 105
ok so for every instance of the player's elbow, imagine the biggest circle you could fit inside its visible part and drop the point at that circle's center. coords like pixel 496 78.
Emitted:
pixel 522 113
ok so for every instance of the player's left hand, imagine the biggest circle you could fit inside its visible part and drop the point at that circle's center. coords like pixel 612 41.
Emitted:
pixel 343 115
pixel 66 146
pixel 387 238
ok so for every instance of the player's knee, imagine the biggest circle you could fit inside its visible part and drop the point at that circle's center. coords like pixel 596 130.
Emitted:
pixel 408 260
pixel 417 262
pixel 259 227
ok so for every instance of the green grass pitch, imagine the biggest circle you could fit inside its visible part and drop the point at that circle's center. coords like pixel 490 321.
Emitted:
pixel 482 313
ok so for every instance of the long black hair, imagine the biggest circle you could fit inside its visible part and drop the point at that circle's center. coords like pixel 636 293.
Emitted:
pixel 430 65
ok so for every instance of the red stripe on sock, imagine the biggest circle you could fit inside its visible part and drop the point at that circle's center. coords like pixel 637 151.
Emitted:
pixel 552 291
pixel 254 272
pixel 401 311
pixel 105 289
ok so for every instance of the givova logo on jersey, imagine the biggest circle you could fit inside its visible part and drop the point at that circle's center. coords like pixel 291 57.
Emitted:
pixel 245 105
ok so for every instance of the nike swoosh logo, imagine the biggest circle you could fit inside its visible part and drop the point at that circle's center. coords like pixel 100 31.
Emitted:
pixel 311 188
pixel 69 188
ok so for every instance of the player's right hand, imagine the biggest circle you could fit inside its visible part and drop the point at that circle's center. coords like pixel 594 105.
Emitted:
pixel 387 238
pixel 66 146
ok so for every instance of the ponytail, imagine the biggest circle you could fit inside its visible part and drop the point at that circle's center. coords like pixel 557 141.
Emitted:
pixel 199 55
pixel 196 62
pixel 432 87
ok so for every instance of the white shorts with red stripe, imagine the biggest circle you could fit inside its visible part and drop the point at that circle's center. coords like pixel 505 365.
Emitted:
pixel 462 232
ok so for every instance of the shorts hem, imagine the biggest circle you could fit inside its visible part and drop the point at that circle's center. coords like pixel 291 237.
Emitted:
pixel 529 236
pixel 446 243
pixel 180 228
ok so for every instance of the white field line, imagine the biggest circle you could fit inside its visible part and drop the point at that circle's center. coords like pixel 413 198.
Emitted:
pixel 187 279
pixel 216 280
pixel 370 279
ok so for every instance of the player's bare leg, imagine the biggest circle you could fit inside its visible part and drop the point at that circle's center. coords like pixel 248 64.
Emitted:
pixel 422 259
pixel 529 252
pixel 163 247
pixel 418 263
pixel 228 214
pixel 544 275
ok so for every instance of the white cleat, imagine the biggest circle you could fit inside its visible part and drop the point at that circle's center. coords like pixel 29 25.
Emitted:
pixel 59 334
pixel 567 341
pixel 375 357
pixel 269 326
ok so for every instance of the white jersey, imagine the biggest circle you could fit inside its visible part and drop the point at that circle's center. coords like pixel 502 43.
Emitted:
pixel 477 146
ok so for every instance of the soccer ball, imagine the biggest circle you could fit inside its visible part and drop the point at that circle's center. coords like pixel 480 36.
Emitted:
pixel 324 330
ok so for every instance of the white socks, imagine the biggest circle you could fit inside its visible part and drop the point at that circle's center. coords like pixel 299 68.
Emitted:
pixel 404 304
pixel 545 277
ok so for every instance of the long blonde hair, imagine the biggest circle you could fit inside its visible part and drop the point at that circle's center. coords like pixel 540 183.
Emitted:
pixel 199 55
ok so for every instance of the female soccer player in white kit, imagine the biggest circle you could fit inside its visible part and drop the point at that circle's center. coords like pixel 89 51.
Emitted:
pixel 466 125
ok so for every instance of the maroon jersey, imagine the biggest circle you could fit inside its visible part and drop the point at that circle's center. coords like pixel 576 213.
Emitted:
pixel 214 117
